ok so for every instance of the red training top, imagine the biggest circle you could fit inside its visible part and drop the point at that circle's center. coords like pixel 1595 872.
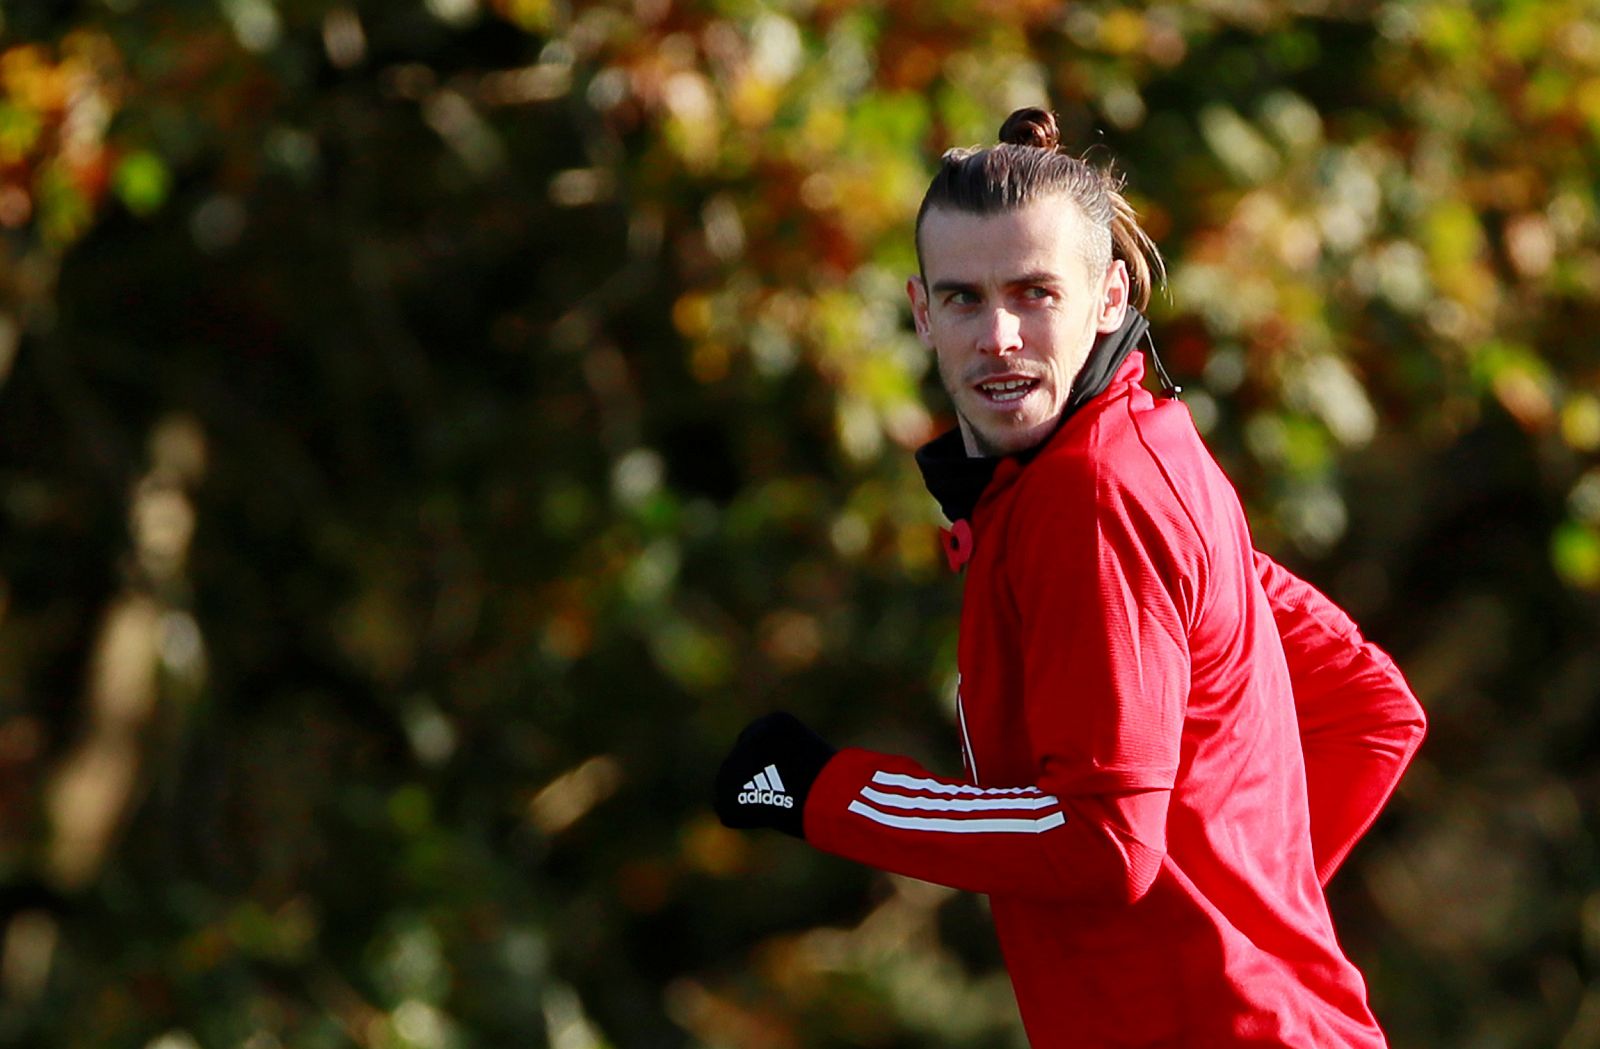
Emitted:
pixel 1170 745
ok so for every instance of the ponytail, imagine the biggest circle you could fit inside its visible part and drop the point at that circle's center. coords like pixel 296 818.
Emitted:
pixel 1131 244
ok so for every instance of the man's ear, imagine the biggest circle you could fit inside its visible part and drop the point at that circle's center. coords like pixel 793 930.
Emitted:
pixel 917 292
pixel 1113 298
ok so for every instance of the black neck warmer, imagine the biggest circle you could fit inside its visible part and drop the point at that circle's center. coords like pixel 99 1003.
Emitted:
pixel 957 479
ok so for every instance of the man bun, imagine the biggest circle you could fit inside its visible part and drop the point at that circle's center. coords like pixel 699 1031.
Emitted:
pixel 1032 126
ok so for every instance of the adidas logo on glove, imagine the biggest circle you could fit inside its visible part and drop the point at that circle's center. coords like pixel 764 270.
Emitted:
pixel 766 799
pixel 766 789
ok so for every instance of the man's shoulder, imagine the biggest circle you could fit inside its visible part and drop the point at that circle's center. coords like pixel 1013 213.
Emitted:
pixel 1127 448
pixel 1136 470
pixel 1134 482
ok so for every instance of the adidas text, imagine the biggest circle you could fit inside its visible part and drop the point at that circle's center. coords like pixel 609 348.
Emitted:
pixel 765 797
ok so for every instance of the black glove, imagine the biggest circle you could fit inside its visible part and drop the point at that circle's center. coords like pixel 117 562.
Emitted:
pixel 765 780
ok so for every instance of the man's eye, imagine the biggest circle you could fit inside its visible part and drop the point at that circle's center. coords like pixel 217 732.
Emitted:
pixel 1036 292
pixel 962 298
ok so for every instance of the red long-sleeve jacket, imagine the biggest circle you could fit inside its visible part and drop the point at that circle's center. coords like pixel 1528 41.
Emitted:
pixel 1170 744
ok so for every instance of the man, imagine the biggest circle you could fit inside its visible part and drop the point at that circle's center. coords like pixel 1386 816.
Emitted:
pixel 1170 742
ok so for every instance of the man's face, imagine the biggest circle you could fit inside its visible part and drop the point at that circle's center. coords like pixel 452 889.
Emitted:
pixel 1011 312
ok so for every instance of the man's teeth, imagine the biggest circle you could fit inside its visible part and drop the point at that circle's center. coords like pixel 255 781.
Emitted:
pixel 1009 389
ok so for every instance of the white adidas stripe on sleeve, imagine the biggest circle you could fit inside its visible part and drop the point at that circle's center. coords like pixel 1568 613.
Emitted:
pixel 906 801
pixel 895 779
pixel 960 826
pixel 963 808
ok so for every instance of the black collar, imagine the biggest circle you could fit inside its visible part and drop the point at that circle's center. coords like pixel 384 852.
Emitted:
pixel 957 479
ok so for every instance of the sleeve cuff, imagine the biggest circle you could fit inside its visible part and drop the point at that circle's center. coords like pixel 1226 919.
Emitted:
pixel 838 782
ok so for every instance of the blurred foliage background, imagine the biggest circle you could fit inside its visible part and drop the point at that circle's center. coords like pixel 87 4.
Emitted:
pixel 430 428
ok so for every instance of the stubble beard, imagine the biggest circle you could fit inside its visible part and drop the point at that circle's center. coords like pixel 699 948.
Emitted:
pixel 990 449
pixel 986 446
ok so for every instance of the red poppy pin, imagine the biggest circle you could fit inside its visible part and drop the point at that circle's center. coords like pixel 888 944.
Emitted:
pixel 957 543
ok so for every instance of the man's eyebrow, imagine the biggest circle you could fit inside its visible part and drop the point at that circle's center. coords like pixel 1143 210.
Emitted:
pixel 1032 277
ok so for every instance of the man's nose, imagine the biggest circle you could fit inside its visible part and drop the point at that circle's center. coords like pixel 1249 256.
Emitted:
pixel 1002 332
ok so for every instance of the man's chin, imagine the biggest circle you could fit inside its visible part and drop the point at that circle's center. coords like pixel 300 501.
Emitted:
pixel 1009 440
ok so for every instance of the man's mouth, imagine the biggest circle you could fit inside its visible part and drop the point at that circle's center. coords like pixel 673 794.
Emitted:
pixel 1006 390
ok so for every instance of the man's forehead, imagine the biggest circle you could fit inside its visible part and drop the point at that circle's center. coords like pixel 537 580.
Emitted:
pixel 1045 235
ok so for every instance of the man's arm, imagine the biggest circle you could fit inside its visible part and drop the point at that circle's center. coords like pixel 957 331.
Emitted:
pixel 888 812
pixel 1104 679
pixel 1360 724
